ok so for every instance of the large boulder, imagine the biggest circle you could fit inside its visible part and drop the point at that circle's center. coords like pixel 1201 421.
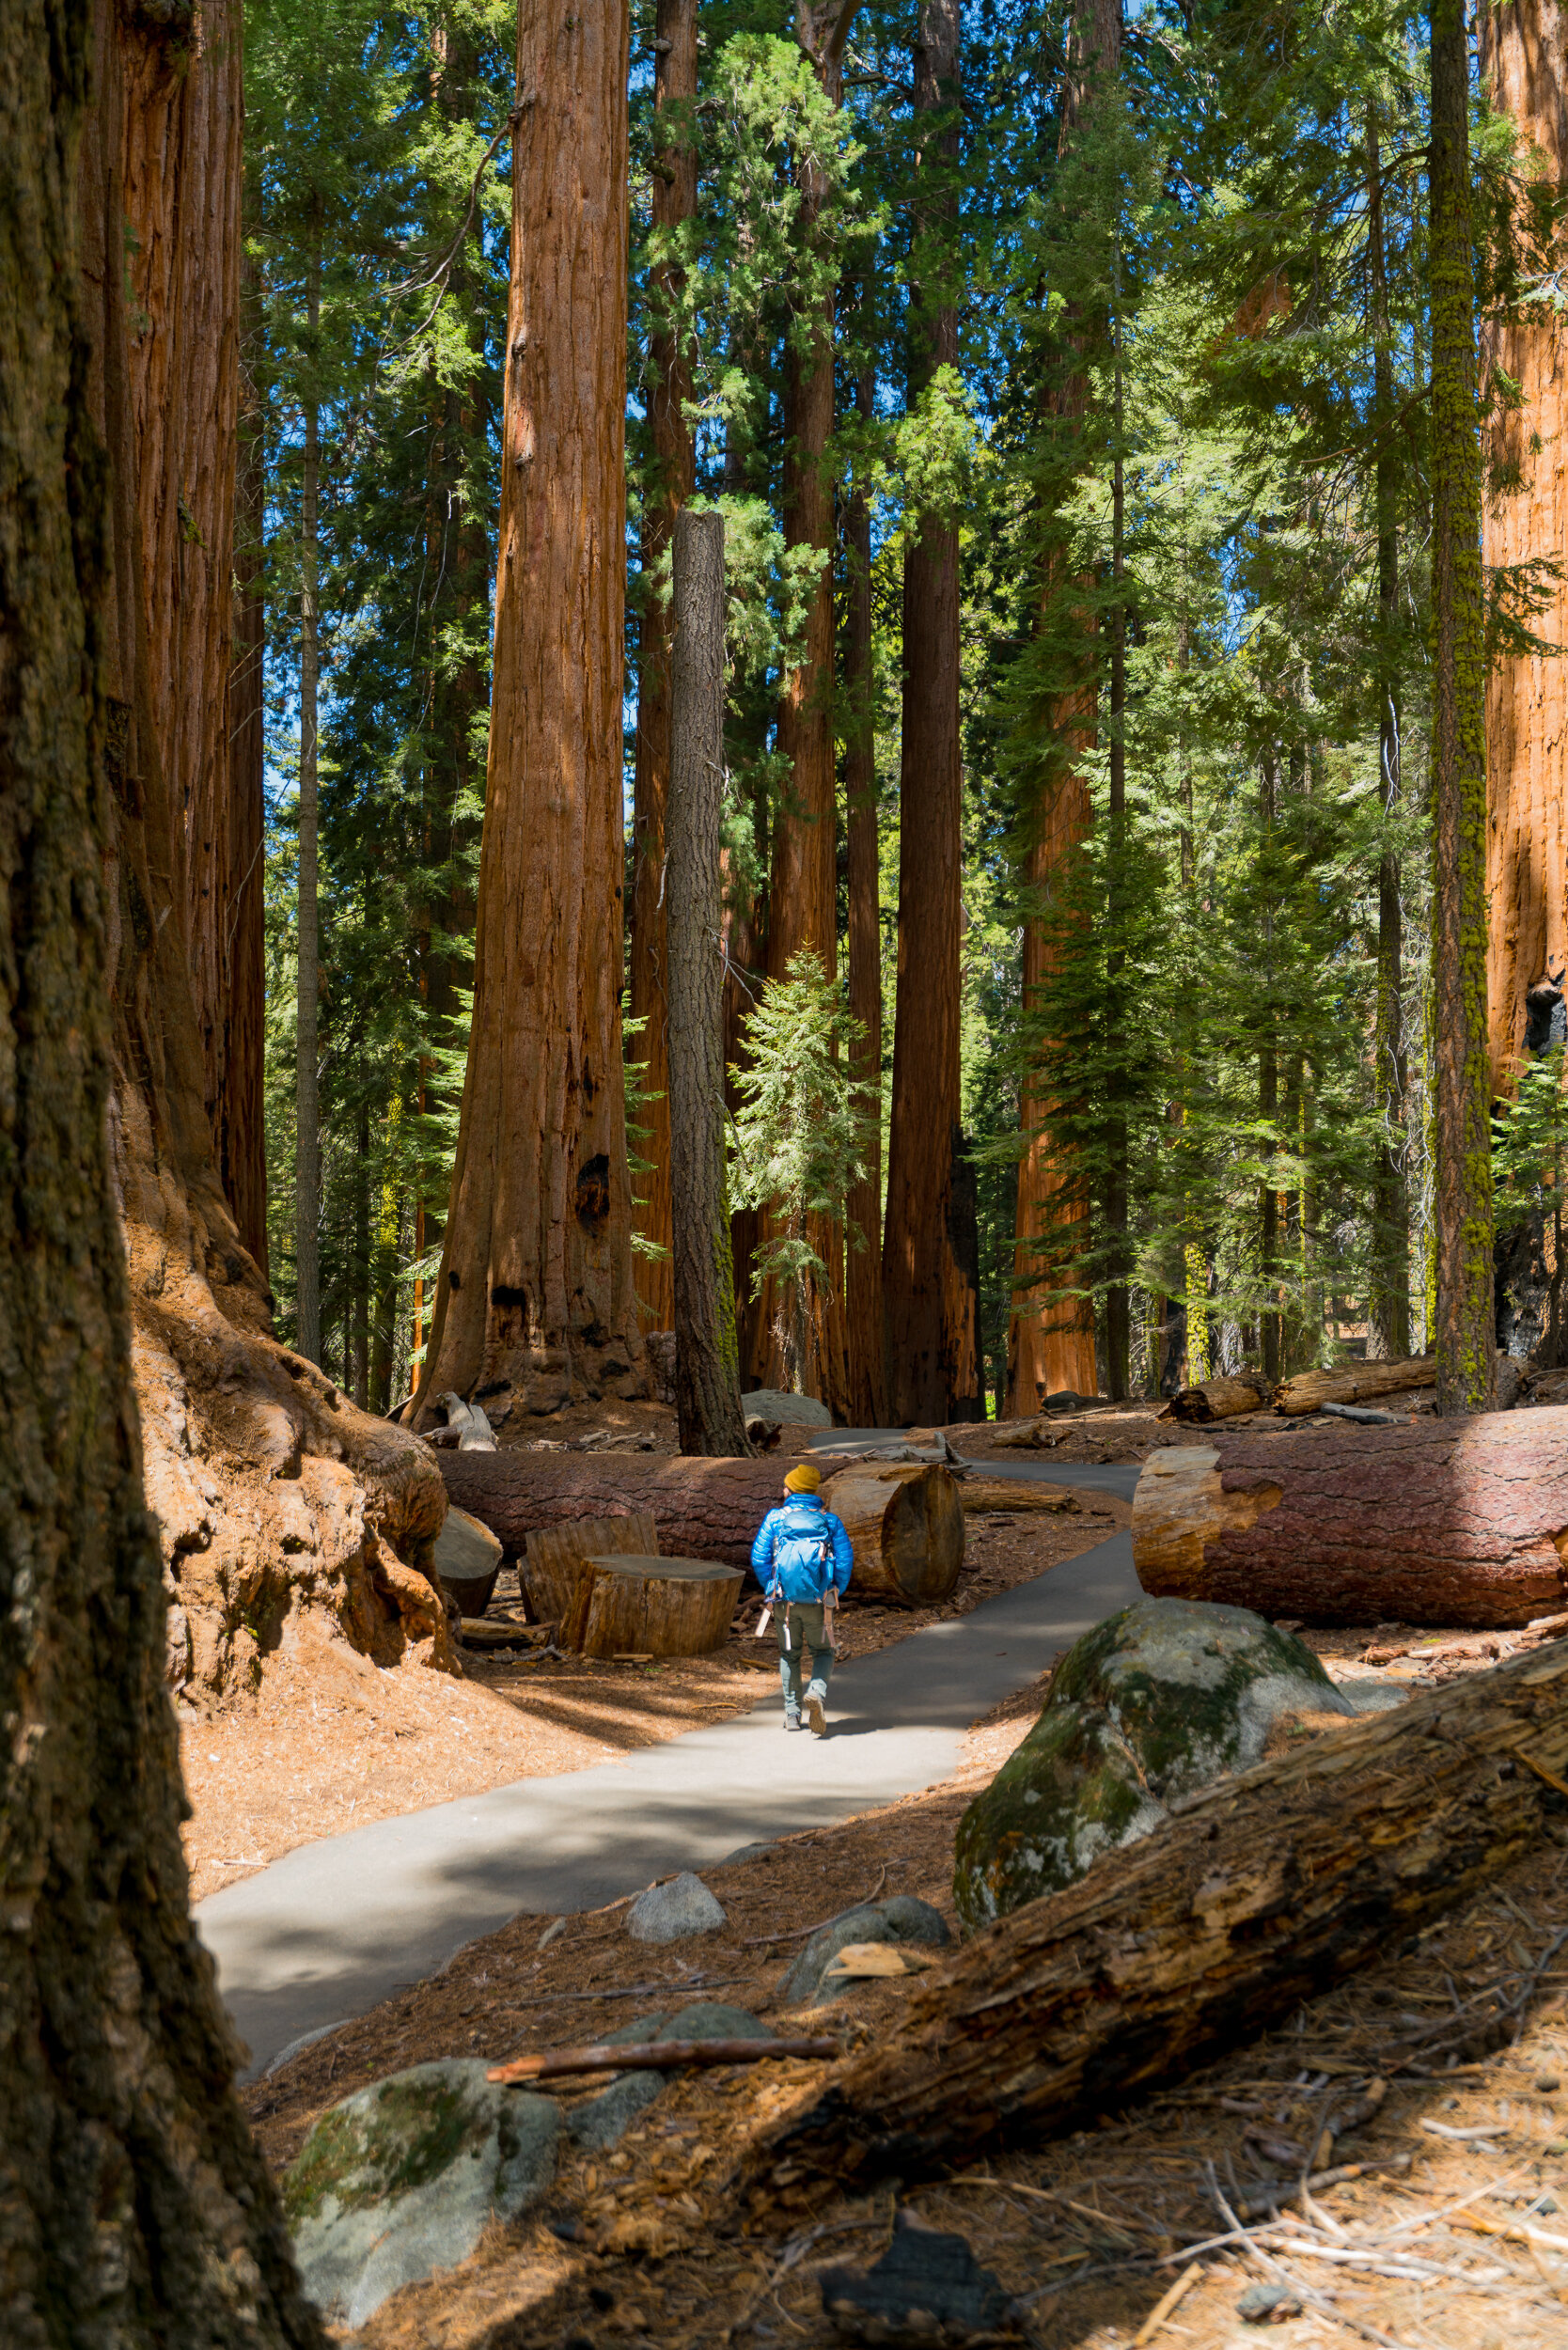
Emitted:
pixel 1156 1701
pixel 400 2180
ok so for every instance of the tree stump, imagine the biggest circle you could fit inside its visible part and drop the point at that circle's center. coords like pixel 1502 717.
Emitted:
pixel 1446 1522
pixel 651 1606
pixel 467 1559
pixel 906 1524
pixel 554 1563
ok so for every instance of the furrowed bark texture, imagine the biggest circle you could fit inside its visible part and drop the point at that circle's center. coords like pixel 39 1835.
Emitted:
pixel 674 477
pixel 707 1367
pixel 1459 1520
pixel 182 118
pixel 803 900
pixel 535 1287
pixel 1467 1377
pixel 865 1331
pixel 1265 1890
pixel 133 2205
pixel 932 1357
pixel 1526 700
pixel 710 1509
pixel 1051 1346
pixel 241 1130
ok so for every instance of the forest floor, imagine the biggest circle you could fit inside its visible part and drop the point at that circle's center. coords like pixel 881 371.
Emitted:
pixel 1092 2227
pixel 331 1741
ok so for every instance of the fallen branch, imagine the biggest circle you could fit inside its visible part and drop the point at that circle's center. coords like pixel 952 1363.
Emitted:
pixel 660 2056
pixel 1260 1891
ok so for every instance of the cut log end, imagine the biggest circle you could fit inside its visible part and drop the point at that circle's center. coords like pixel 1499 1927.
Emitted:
pixel 906 1522
pixel 651 1606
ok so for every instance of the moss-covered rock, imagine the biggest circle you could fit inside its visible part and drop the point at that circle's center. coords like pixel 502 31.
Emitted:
pixel 1150 1705
pixel 400 2179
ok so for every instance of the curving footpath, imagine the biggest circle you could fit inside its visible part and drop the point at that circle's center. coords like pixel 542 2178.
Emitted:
pixel 333 1927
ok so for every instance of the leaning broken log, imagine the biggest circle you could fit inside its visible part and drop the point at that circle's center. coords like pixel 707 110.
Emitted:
pixel 1264 1890
pixel 1309 1391
pixel 907 1521
pixel 1439 1520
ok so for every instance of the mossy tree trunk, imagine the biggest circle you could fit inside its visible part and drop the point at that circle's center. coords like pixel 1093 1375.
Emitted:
pixel 707 1368
pixel 136 2207
pixel 1466 1368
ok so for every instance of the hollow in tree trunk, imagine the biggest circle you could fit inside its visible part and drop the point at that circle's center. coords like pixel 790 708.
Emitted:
pixel 535 1287
pixel 707 1370
pixel 1466 1365
pixel 933 1368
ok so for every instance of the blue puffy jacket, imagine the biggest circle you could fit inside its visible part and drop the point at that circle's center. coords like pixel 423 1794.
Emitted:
pixel 800 1550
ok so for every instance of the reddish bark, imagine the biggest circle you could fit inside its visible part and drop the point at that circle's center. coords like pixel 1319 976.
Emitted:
pixel 1051 1346
pixel 932 1369
pixel 241 1129
pixel 182 114
pixel 1526 700
pixel 866 1328
pixel 674 478
pixel 536 1286
pixel 1448 1522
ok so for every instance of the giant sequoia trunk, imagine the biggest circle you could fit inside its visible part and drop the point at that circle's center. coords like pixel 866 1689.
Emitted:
pixel 241 1130
pixel 1269 1888
pixel 803 897
pixel 673 478
pixel 1448 1521
pixel 272 1492
pixel 137 2209
pixel 1527 699
pixel 1051 1344
pixel 536 1289
pixel 934 1374
pixel 866 1323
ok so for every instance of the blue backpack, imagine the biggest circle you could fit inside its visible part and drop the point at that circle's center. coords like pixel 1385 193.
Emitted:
pixel 803 1543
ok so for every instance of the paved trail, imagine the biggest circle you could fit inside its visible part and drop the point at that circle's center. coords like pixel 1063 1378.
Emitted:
pixel 332 1928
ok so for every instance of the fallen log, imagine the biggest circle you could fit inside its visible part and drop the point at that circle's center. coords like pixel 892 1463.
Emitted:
pixel 1218 1399
pixel 658 1607
pixel 1355 1383
pixel 711 1509
pixel 662 2056
pixel 1445 1522
pixel 1263 1890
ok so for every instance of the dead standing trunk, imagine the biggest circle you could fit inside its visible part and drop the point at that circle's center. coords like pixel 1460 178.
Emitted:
pixel 932 1365
pixel 137 2207
pixel 674 478
pixel 707 1368
pixel 536 1286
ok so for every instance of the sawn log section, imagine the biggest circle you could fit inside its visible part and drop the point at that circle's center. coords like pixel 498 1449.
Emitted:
pixel 1263 1890
pixel 1445 1522
pixel 911 1552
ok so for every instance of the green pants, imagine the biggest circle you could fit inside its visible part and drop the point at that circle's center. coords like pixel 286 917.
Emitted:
pixel 805 1631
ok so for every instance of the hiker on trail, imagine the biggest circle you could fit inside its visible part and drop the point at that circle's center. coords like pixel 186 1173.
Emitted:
pixel 802 1559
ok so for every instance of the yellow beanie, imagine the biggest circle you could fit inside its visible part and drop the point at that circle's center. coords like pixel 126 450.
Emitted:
pixel 803 1479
